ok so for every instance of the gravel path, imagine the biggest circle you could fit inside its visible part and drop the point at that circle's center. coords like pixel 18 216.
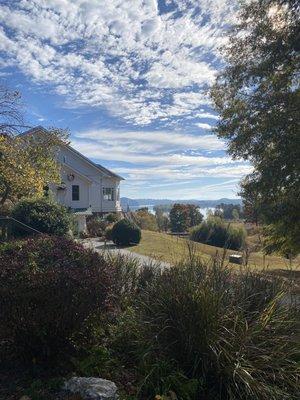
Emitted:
pixel 100 246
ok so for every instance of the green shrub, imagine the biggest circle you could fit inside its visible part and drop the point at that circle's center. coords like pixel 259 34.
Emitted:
pixel 216 232
pixel 96 226
pixel 203 332
pixel 49 286
pixel 194 331
pixel 43 215
pixel 125 233
pixel 200 331
pixel 112 217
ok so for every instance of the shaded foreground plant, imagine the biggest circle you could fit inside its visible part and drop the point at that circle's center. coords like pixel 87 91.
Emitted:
pixel 204 332
pixel 49 287
pixel 194 331
pixel 230 331
pixel 44 215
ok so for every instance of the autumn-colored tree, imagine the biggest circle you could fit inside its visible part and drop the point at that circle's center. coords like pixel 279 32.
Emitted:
pixel 145 219
pixel 28 163
pixel 184 216
pixel 179 218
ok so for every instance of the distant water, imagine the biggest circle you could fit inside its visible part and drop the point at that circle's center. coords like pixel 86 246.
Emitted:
pixel 150 207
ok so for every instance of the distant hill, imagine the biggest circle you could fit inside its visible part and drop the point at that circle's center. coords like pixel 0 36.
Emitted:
pixel 126 201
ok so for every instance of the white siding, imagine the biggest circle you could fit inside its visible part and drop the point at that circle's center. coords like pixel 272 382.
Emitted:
pixel 65 196
pixel 91 189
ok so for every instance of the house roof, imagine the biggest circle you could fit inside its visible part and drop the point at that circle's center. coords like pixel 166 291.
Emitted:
pixel 97 166
pixel 33 130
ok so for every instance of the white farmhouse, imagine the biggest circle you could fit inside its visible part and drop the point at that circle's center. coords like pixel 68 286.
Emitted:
pixel 86 187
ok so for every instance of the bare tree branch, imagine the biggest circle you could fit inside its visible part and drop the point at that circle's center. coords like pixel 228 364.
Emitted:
pixel 11 116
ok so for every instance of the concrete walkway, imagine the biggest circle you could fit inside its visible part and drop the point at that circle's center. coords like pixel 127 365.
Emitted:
pixel 98 245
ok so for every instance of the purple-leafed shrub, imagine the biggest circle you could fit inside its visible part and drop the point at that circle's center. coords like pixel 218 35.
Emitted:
pixel 49 286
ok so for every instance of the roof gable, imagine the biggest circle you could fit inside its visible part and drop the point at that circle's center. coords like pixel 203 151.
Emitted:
pixel 99 167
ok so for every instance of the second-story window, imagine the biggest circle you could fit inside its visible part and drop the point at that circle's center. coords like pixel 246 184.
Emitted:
pixel 108 194
pixel 75 192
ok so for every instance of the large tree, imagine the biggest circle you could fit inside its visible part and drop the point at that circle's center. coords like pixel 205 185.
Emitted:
pixel 258 98
pixel 28 164
pixel 184 216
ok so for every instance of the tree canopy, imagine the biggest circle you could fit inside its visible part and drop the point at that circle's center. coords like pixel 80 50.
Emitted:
pixel 184 216
pixel 145 219
pixel 258 98
pixel 27 161
pixel 28 164
pixel 229 211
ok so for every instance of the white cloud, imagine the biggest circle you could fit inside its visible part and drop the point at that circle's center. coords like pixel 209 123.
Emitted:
pixel 207 115
pixel 157 155
pixel 176 174
pixel 123 56
pixel 162 163
pixel 122 153
pixel 203 125
pixel 152 141
pixel 142 65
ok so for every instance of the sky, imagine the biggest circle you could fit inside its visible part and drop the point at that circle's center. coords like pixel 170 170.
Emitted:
pixel 130 80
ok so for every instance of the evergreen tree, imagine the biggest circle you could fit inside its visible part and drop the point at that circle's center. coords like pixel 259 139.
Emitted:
pixel 258 98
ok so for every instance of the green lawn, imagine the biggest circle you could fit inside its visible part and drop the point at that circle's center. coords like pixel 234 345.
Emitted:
pixel 172 249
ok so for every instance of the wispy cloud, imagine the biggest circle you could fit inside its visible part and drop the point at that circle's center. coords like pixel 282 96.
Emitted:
pixel 140 60
pixel 151 141
pixel 164 162
pixel 145 64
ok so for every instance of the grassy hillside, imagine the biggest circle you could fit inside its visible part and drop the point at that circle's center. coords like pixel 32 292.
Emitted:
pixel 172 249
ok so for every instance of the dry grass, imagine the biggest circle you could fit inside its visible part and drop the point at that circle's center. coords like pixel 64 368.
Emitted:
pixel 173 249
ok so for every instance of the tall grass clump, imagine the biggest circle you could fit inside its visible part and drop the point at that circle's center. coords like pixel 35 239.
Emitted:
pixel 203 332
pixel 216 232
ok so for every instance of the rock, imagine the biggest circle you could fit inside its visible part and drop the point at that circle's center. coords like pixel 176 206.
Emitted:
pixel 236 259
pixel 24 398
pixel 92 388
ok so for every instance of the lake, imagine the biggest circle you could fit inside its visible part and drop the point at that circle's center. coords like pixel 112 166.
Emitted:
pixel 204 211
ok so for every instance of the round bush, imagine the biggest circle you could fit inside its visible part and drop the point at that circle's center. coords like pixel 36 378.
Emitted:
pixel 125 233
pixel 49 286
pixel 215 232
pixel 43 215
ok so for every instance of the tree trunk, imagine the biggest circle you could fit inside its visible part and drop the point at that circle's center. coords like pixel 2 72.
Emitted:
pixel 5 195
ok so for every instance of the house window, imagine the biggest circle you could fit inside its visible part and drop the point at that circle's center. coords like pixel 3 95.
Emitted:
pixel 64 159
pixel 108 194
pixel 75 192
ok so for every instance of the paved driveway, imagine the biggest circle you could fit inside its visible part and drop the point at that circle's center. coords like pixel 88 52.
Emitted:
pixel 100 246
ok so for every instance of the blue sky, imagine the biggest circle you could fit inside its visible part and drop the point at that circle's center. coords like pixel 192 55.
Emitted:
pixel 130 80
